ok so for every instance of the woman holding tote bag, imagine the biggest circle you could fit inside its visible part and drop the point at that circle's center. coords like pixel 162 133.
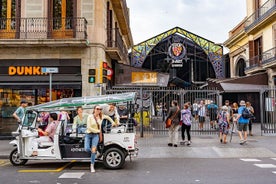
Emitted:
pixel 174 114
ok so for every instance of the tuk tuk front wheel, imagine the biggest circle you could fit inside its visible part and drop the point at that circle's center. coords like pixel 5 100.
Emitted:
pixel 15 160
pixel 113 158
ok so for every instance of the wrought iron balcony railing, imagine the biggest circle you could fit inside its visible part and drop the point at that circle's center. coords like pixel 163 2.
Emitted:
pixel 266 57
pixel 115 40
pixel 269 56
pixel 264 11
pixel 254 62
pixel 43 28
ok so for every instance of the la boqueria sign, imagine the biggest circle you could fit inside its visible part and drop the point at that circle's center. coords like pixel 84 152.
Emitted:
pixel 25 70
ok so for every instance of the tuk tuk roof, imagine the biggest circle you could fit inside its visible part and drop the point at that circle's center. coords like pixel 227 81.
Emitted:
pixel 87 101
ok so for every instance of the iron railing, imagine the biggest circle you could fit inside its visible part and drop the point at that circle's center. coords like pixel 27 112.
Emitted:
pixel 43 28
pixel 269 56
pixel 264 11
pixel 254 62
pixel 115 40
pixel 264 58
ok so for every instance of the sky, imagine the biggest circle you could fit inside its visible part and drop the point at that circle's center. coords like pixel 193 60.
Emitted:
pixel 210 19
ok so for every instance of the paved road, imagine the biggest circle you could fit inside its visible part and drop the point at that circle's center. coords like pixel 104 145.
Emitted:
pixel 147 170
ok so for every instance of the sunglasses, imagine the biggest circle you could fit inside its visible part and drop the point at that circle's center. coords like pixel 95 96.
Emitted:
pixel 98 109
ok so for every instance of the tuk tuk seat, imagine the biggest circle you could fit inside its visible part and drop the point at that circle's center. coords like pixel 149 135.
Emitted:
pixel 46 144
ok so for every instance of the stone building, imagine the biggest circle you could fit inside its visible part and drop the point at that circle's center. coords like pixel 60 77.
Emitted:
pixel 69 36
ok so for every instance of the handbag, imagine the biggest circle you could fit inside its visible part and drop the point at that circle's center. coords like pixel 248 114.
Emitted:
pixel 169 120
pixel 168 123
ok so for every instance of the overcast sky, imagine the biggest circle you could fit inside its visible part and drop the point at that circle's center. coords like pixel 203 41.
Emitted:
pixel 210 19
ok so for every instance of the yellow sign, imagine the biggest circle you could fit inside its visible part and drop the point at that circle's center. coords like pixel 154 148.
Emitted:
pixel 25 70
pixel 144 77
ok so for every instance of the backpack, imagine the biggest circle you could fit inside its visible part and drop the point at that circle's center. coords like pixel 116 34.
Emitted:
pixel 246 114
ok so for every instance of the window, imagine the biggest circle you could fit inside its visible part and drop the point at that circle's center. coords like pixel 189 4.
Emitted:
pixel 62 14
pixel 240 68
pixel 8 14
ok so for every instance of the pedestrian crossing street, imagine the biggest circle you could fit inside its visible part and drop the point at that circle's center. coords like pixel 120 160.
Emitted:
pixel 259 163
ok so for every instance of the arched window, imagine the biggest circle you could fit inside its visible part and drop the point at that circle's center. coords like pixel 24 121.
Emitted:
pixel 9 17
pixel 240 68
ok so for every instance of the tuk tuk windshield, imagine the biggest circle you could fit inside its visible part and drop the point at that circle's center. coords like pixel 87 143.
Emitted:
pixel 29 118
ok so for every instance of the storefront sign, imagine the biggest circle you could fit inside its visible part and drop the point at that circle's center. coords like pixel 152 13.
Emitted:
pixel 31 70
pixel 25 70
pixel 177 51
pixel 144 77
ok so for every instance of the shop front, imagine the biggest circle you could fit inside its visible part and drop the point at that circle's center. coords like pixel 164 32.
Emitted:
pixel 24 79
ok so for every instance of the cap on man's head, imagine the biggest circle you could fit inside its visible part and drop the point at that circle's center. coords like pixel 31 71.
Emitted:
pixel 23 102
pixel 242 102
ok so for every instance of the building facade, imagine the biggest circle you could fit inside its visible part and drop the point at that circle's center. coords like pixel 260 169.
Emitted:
pixel 69 36
pixel 252 42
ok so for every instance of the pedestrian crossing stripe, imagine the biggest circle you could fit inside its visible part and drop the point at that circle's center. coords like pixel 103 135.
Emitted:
pixel 274 172
pixel 265 165
pixel 71 175
pixel 273 158
pixel 250 160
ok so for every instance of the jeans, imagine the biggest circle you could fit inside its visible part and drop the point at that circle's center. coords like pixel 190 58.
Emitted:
pixel 91 140
pixel 186 128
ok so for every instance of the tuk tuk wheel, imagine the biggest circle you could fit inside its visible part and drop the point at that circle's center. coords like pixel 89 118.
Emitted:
pixel 113 158
pixel 15 160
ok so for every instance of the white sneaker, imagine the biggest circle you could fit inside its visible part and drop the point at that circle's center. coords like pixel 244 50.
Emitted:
pixel 92 168
pixel 189 143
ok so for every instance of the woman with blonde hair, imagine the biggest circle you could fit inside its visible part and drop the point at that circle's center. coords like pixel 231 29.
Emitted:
pixel 93 132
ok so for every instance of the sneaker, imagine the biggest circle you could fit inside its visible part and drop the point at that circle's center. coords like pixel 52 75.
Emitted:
pixel 175 145
pixel 170 144
pixel 241 142
pixel 92 168
pixel 189 143
pixel 182 143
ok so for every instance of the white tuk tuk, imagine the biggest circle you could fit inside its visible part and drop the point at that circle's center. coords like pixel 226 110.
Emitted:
pixel 118 143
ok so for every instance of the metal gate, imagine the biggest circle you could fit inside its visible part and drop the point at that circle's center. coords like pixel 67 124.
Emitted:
pixel 268 112
pixel 154 103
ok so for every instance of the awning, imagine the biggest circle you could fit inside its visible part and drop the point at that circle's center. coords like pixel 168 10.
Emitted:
pixel 251 83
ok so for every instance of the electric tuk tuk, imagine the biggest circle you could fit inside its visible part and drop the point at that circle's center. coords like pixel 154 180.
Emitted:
pixel 118 143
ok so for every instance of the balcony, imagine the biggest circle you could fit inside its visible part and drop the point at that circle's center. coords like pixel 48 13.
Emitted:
pixel 115 46
pixel 254 65
pixel 269 58
pixel 41 31
pixel 266 12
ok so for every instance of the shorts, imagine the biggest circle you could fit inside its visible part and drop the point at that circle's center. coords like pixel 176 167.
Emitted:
pixel 213 117
pixel 201 119
pixel 242 127
pixel 195 113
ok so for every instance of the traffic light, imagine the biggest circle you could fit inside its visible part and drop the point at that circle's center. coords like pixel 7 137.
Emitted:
pixel 104 68
pixel 92 75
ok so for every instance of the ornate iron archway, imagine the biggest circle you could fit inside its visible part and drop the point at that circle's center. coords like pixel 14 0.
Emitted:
pixel 198 49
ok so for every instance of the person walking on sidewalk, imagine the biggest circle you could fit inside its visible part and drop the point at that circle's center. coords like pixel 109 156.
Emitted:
pixel 251 110
pixel 242 123
pixel 174 114
pixel 20 111
pixel 201 114
pixel 235 109
pixel 223 122
pixel 186 124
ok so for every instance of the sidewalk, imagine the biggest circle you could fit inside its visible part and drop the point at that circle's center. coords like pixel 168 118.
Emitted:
pixel 203 146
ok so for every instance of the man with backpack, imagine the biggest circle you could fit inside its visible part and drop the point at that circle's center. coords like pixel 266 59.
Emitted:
pixel 243 121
